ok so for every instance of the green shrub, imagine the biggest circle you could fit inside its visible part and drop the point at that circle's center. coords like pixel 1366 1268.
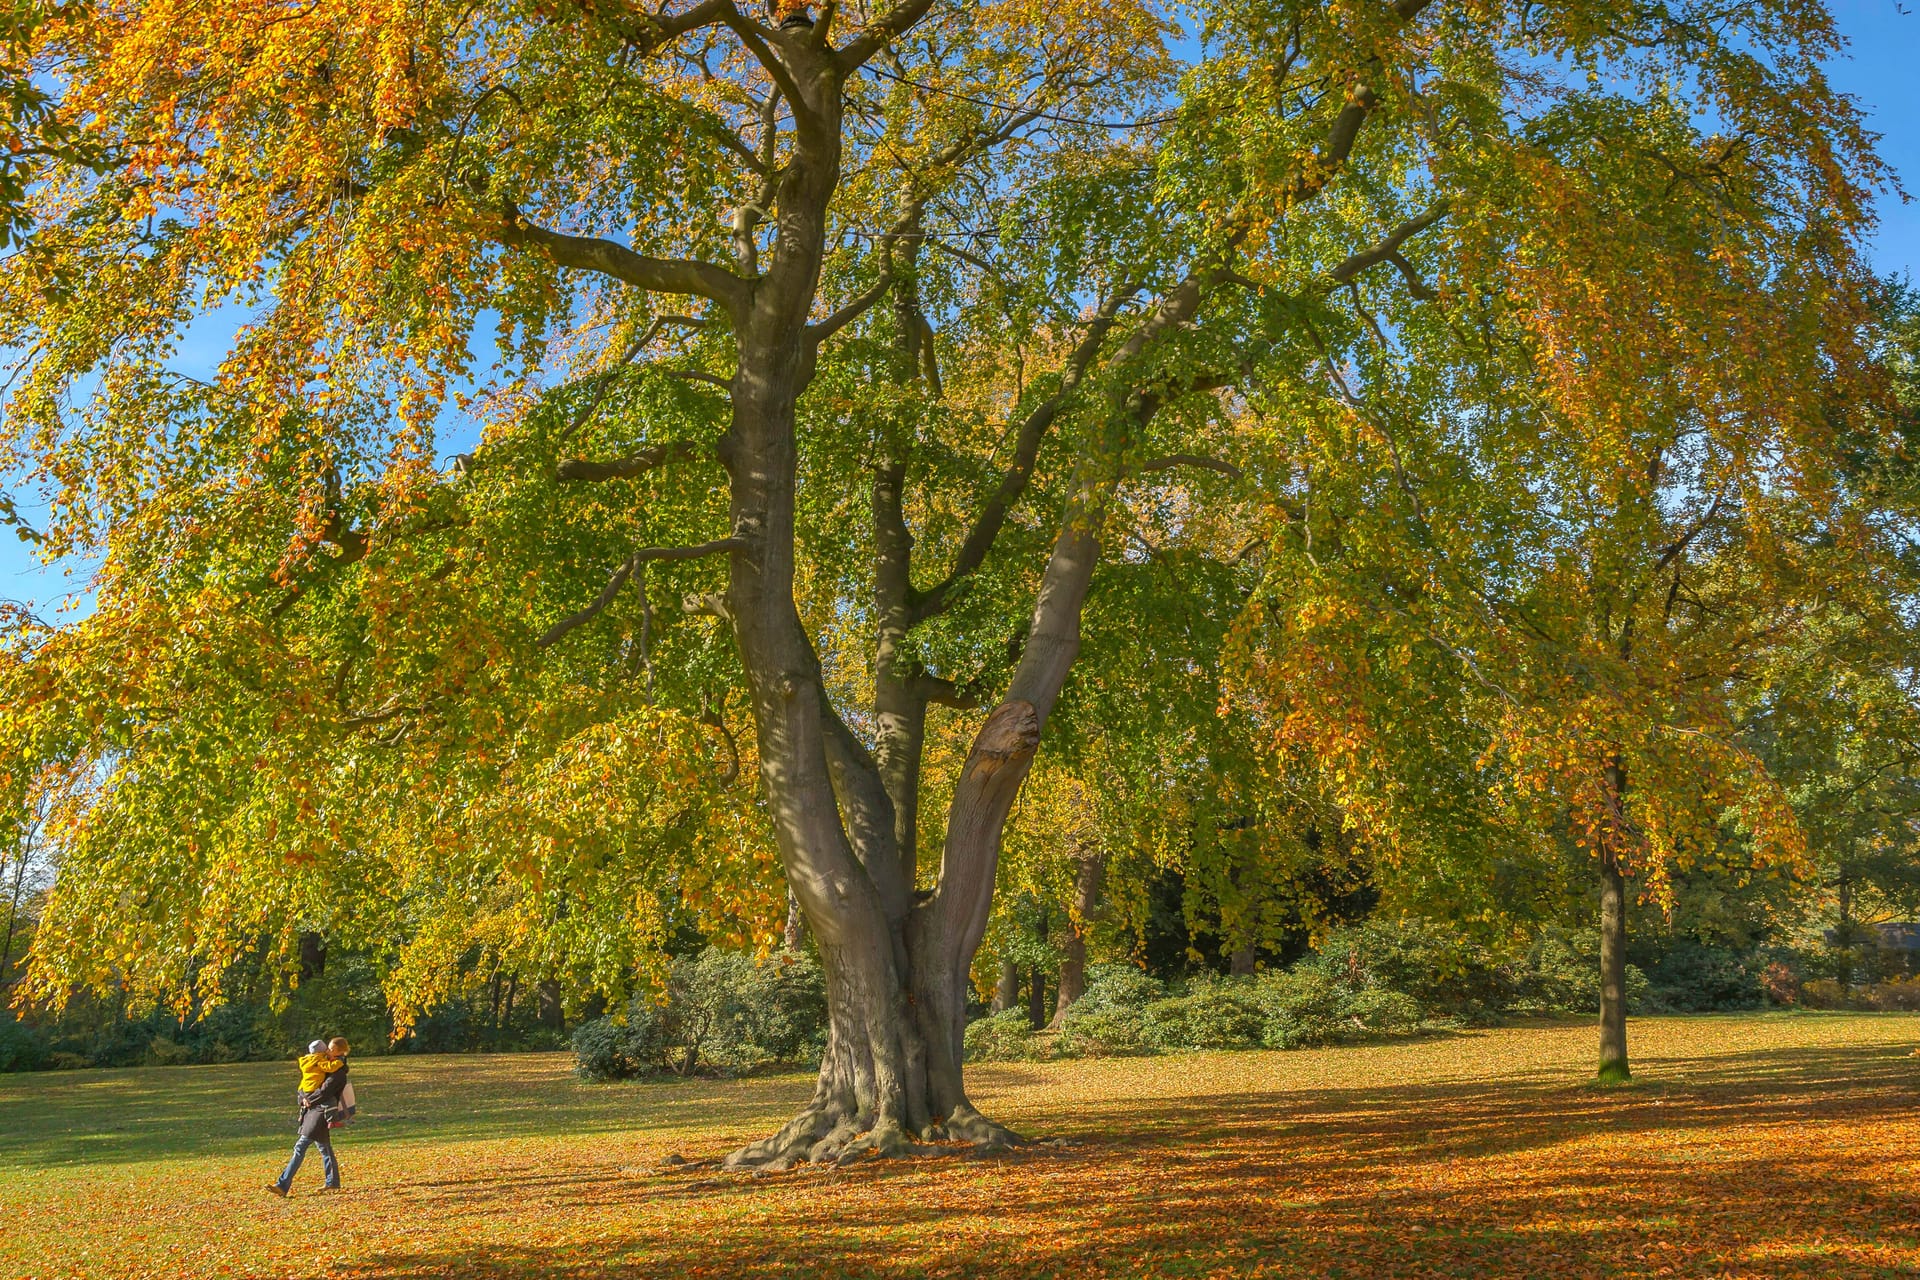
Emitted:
pixel 1561 975
pixel 1001 1037
pixel 1308 1007
pixel 21 1047
pixel 598 1053
pixel 721 1010
pixel 1694 978
pixel 1824 993
pixel 1116 988
pixel 163 1052
pixel 1299 1008
pixel 1110 1034
pixel 1211 1016
pixel 606 1049
pixel 1378 1012
pixel 1897 995
pixel 784 1011
pixel 1446 970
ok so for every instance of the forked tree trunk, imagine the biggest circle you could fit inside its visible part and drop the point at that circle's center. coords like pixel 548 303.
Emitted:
pixel 1613 939
pixel 896 962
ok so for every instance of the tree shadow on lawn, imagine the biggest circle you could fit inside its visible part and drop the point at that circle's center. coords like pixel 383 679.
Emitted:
pixel 1765 1164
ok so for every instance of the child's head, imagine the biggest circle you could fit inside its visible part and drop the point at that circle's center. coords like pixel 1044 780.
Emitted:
pixel 339 1047
pixel 318 1046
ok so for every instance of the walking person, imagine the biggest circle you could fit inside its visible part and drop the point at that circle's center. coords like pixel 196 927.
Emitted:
pixel 320 1108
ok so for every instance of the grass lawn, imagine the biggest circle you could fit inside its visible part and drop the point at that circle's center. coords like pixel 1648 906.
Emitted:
pixel 1762 1145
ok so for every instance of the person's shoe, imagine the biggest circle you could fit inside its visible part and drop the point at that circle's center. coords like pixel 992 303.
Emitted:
pixel 330 1191
pixel 277 1190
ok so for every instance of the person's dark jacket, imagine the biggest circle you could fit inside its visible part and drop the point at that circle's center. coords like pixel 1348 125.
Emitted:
pixel 315 1106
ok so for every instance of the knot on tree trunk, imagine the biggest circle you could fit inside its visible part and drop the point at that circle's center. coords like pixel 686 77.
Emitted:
pixel 1010 735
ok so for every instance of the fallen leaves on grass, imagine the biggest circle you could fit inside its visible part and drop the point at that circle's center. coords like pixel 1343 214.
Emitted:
pixel 1747 1147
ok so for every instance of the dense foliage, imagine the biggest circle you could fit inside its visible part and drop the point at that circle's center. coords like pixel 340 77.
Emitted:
pixel 936 475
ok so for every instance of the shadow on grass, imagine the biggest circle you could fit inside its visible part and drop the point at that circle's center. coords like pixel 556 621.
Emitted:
pixel 107 1117
pixel 1745 1166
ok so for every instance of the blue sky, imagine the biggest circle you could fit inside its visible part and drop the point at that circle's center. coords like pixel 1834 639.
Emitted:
pixel 1882 71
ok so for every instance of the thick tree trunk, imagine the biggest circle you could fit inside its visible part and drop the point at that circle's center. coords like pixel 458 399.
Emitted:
pixel 896 965
pixel 1242 961
pixel 1006 994
pixel 547 1007
pixel 1613 940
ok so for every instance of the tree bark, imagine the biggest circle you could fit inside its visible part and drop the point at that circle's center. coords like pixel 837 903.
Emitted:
pixel 1089 880
pixel 1843 933
pixel 1613 938
pixel 1006 995
pixel 13 904
pixel 1036 997
pixel 313 956
pixel 1242 961
pixel 795 933
pixel 547 1006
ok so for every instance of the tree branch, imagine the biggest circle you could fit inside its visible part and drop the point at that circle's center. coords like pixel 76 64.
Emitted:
pixel 636 463
pixel 659 275
pixel 754 37
pixel 945 692
pixel 606 377
pixel 1389 248
pixel 700 375
pixel 993 516
pixel 1205 463
pixel 881 32
pixel 651 30
pixel 822 330
pixel 625 571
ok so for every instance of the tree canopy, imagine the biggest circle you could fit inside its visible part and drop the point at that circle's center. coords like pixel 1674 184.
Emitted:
pixel 1421 423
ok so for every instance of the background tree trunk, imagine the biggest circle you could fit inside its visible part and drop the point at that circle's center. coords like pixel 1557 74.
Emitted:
pixel 1037 997
pixel 1843 934
pixel 1088 882
pixel 1242 961
pixel 547 1006
pixel 13 906
pixel 313 956
pixel 1613 936
pixel 1007 994
pixel 1613 972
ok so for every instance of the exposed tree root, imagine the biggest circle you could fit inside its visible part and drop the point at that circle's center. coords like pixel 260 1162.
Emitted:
pixel 987 1136
pixel 828 1136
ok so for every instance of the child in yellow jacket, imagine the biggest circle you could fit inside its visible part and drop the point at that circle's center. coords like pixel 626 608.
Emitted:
pixel 316 1065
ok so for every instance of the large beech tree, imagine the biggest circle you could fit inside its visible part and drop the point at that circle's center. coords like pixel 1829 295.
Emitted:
pixel 865 330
